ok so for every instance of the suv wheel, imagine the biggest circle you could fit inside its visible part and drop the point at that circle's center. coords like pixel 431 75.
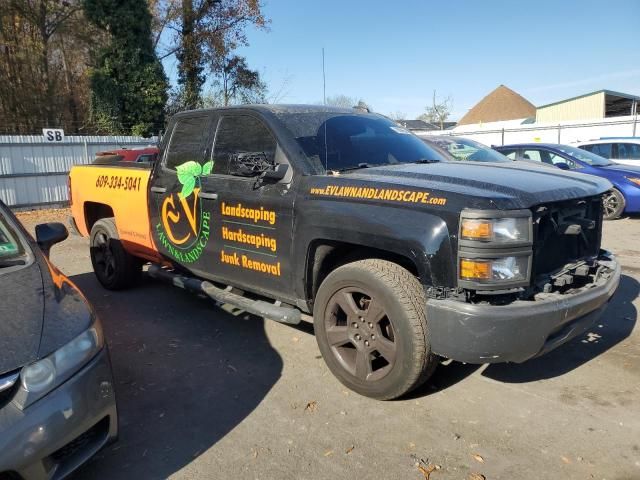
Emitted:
pixel 113 265
pixel 371 328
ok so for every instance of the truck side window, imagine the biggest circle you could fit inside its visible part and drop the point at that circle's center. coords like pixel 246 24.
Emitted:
pixel 188 141
pixel 237 135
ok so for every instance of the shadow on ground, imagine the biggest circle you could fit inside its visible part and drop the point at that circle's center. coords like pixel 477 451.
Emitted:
pixel 616 324
pixel 186 374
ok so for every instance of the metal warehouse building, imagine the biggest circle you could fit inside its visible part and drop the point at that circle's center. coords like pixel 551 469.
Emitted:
pixel 594 105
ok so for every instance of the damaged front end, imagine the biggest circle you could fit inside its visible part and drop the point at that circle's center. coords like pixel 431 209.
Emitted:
pixel 552 287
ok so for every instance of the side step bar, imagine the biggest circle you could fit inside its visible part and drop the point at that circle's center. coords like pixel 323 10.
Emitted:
pixel 260 308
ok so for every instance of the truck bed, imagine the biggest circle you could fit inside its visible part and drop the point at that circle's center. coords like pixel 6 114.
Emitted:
pixel 120 187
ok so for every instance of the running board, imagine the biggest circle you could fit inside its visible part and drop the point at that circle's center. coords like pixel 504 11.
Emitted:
pixel 261 308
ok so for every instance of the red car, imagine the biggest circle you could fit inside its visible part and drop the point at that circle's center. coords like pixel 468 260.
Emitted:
pixel 142 154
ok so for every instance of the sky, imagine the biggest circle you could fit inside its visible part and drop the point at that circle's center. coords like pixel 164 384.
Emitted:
pixel 394 54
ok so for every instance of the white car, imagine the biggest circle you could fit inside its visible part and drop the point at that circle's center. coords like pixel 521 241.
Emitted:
pixel 620 150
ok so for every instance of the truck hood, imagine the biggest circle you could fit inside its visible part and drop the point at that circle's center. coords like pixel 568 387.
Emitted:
pixel 21 316
pixel 506 185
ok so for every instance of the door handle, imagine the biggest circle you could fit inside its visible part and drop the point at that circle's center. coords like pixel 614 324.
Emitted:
pixel 158 189
pixel 208 195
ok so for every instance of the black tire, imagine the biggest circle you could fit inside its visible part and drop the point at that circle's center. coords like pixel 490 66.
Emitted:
pixel 385 304
pixel 115 268
pixel 614 203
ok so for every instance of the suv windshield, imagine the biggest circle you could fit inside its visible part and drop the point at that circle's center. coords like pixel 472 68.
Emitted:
pixel 585 156
pixel 11 248
pixel 469 150
pixel 336 141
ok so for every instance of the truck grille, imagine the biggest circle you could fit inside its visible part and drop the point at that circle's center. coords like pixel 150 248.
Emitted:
pixel 565 232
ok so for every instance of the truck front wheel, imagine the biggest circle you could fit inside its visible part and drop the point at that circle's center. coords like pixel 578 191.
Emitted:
pixel 371 328
pixel 113 265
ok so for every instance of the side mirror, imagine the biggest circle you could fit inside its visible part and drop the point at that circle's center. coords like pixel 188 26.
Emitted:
pixel 48 234
pixel 562 166
pixel 276 174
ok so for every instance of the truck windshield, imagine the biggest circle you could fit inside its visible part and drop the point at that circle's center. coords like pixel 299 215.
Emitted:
pixel 11 248
pixel 342 141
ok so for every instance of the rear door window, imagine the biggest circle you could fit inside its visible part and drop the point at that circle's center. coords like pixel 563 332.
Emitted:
pixel 603 149
pixel 628 151
pixel 512 154
pixel 188 141
pixel 532 155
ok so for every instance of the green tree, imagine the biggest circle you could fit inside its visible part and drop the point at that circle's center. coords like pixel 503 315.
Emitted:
pixel 205 34
pixel 128 83
pixel 237 83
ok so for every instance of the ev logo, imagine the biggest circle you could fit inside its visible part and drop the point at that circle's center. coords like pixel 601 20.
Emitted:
pixel 53 134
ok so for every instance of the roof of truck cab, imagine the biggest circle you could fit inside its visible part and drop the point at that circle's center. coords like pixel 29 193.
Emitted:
pixel 284 108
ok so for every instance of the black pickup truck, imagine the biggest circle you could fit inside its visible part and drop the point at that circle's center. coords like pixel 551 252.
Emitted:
pixel 401 256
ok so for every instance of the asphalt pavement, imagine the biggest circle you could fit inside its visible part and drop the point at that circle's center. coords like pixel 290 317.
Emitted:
pixel 211 393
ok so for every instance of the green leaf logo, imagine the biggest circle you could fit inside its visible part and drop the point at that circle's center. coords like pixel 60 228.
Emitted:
pixel 207 167
pixel 188 172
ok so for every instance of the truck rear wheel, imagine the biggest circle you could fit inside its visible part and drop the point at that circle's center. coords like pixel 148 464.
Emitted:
pixel 115 268
pixel 371 328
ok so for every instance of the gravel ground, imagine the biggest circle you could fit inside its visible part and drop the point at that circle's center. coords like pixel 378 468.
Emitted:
pixel 206 393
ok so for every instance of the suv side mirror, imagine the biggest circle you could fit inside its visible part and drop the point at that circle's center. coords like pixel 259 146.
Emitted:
pixel 562 166
pixel 48 234
pixel 276 174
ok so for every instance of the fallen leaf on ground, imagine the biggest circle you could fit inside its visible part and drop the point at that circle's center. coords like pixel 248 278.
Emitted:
pixel 350 449
pixel 565 460
pixel 476 476
pixel 477 457
pixel 328 453
pixel 311 406
pixel 426 471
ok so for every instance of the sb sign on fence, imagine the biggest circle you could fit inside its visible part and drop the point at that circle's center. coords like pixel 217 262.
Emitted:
pixel 53 134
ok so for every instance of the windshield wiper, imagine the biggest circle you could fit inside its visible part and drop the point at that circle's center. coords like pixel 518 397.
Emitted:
pixel 426 160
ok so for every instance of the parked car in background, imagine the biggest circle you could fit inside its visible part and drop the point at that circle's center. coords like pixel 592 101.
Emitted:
pixel 620 150
pixel 143 154
pixel 459 148
pixel 57 404
pixel 624 197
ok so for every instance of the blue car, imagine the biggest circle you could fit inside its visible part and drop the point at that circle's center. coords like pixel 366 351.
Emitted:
pixel 623 198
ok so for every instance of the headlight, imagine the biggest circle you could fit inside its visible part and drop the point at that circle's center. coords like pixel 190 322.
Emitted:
pixel 634 180
pixel 495 249
pixel 499 230
pixel 494 270
pixel 40 377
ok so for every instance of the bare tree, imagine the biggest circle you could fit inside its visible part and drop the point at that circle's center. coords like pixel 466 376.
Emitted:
pixel 439 111
pixel 397 115
pixel 341 100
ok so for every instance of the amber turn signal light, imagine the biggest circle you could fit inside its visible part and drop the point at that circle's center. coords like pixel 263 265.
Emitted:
pixel 473 229
pixel 475 269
